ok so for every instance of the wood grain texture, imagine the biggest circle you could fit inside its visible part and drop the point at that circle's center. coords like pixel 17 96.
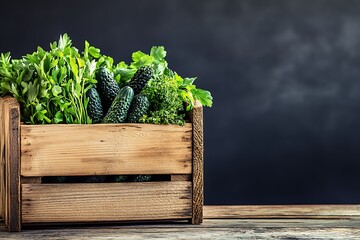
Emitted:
pixel 69 150
pixel 5 160
pixel 4 101
pixel 29 180
pixel 14 168
pixel 198 163
pixel 2 159
pixel 10 156
pixel 283 211
pixel 210 229
pixel 181 177
pixel 105 202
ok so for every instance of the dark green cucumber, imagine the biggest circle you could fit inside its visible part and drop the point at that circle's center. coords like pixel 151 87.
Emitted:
pixel 107 87
pixel 120 107
pixel 141 178
pixel 139 106
pixel 140 78
pixel 120 178
pixel 94 107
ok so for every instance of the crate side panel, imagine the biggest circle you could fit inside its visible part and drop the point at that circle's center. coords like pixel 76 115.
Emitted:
pixel 198 163
pixel 14 168
pixel 10 163
pixel 2 160
pixel 61 150
pixel 45 203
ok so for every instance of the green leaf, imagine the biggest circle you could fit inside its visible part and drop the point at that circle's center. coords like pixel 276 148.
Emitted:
pixel 55 73
pixel 137 56
pixel 6 86
pixel 86 50
pixel 24 85
pixel 95 52
pixel 105 61
pixel 53 63
pixel 188 81
pixel 125 73
pixel 39 107
pixel 159 67
pixel 56 90
pixel 53 45
pixel 64 41
pixel 87 44
pixel 88 120
pixel 141 59
pixel 44 93
pixel 58 118
pixel 80 62
pixel 74 67
pixel 92 67
pixel 28 74
pixel 14 90
pixel 158 53
pixel 203 96
pixel 32 92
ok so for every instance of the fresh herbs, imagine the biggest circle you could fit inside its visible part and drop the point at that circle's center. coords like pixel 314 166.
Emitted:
pixel 51 86
pixel 167 91
pixel 166 106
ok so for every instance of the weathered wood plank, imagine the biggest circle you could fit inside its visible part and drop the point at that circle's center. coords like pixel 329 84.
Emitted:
pixel 196 117
pixel 29 180
pixel 210 229
pixel 14 168
pixel 11 160
pixel 63 150
pixel 282 211
pixel 215 223
pixel 181 177
pixel 4 101
pixel 2 160
pixel 105 202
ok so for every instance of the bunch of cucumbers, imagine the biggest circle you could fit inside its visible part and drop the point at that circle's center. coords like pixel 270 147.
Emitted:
pixel 110 104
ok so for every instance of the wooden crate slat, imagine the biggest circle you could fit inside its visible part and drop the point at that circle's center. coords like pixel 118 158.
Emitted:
pixel 2 159
pixel 68 150
pixel 198 164
pixel 106 202
pixel 10 156
pixel 29 180
pixel 180 177
pixel 30 152
pixel 324 211
pixel 4 156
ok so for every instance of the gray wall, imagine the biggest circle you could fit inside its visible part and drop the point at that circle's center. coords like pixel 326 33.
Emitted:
pixel 285 125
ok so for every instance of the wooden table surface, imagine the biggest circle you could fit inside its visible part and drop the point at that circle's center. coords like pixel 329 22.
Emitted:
pixel 220 223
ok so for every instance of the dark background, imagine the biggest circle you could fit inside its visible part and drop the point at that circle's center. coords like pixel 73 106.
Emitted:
pixel 285 125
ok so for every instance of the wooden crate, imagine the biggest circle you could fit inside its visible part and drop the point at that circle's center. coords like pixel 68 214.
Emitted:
pixel 30 152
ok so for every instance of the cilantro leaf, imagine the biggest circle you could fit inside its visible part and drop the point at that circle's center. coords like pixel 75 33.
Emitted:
pixel 158 53
pixel 203 96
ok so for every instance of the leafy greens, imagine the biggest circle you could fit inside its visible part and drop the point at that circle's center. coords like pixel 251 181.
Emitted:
pixel 51 85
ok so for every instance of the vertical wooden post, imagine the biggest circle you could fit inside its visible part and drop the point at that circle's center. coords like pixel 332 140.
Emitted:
pixel 198 164
pixel 11 158
pixel 2 187
pixel 3 175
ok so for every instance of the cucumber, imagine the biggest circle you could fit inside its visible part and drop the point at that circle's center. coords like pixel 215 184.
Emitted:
pixel 120 106
pixel 107 86
pixel 94 107
pixel 139 106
